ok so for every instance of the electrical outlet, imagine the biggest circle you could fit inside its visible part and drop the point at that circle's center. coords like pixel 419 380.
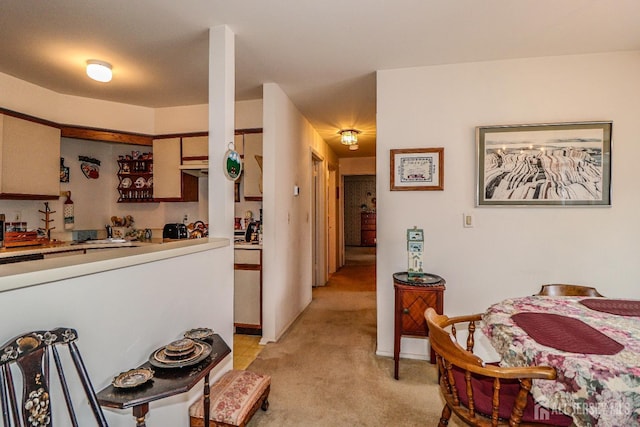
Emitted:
pixel 467 220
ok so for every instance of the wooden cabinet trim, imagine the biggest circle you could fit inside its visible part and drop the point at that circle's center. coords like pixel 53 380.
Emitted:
pixel 104 135
pixel 111 135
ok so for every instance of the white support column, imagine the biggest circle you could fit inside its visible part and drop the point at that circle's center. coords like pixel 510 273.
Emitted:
pixel 221 128
pixel 221 201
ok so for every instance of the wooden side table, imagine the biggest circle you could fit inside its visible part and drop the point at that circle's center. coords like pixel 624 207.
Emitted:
pixel 412 298
pixel 165 383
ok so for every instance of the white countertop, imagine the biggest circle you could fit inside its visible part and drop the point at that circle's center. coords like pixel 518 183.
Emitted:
pixel 58 246
pixel 29 273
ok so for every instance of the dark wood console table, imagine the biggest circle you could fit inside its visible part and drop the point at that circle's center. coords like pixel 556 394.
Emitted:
pixel 165 383
pixel 412 298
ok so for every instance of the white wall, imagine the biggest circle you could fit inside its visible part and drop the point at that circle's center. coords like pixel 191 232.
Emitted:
pixel 123 315
pixel 510 251
pixel 358 166
pixel 27 98
pixel 288 142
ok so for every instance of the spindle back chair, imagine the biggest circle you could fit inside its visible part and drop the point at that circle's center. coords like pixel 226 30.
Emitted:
pixel 31 353
pixel 479 393
pixel 565 290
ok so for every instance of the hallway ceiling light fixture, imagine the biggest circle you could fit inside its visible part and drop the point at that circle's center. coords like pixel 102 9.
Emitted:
pixel 349 137
pixel 353 147
pixel 99 70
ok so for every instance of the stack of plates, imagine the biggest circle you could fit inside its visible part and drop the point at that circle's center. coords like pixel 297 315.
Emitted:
pixel 183 352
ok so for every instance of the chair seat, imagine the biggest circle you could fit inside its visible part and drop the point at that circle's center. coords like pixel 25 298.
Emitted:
pixel 234 399
pixel 483 397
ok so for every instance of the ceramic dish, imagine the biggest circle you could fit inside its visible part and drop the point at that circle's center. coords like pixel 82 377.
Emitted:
pixel 140 182
pixel 132 378
pixel 160 359
pixel 181 344
pixel 126 183
pixel 199 333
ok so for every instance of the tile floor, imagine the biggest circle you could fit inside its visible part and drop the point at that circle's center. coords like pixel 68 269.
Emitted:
pixel 245 349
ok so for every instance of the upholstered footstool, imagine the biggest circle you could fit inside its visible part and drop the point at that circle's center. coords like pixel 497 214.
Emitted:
pixel 235 397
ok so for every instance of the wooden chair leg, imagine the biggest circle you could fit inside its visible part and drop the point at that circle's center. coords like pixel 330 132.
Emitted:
pixel 446 414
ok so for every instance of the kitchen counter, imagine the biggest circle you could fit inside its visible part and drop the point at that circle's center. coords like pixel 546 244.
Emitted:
pixel 58 246
pixel 91 259
pixel 246 245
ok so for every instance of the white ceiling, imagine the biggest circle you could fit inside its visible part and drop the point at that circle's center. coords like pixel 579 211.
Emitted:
pixel 323 54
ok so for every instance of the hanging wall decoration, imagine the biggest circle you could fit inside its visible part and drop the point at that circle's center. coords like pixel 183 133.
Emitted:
pixel 64 171
pixel 90 167
pixel 232 163
pixel 68 211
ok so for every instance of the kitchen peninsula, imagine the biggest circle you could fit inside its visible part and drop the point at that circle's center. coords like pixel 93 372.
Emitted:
pixel 118 255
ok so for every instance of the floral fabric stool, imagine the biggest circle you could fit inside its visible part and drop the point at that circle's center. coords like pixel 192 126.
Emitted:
pixel 235 397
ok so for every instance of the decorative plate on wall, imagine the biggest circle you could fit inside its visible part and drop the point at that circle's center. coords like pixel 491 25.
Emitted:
pixel 232 163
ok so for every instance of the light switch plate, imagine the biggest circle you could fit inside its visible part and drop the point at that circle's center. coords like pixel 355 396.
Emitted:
pixel 467 220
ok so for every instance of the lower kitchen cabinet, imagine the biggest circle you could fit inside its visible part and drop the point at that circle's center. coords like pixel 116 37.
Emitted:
pixel 247 300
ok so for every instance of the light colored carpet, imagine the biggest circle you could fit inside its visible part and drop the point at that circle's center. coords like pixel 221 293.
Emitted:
pixel 325 371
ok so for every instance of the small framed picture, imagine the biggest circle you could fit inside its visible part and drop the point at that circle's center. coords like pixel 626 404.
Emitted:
pixel 415 235
pixel 417 169
pixel 416 246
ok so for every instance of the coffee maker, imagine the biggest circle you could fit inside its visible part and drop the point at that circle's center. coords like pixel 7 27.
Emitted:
pixel 251 235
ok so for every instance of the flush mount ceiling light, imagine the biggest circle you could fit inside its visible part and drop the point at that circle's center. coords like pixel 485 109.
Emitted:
pixel 353 147
pixel 349 137
pixel 99 70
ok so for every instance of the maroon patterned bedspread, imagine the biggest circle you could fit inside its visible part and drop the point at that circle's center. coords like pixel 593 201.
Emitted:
pixel 621 307
pixel 566 333
pixel 595 389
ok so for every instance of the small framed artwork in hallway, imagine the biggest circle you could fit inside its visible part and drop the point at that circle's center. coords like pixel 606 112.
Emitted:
pixel 417 169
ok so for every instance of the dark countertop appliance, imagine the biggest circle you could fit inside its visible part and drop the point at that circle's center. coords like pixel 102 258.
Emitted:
pixel 175 231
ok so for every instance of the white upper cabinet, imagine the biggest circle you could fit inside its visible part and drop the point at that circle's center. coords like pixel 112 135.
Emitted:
pixel 170 183
pixel 252 179
pixel 29 160
pixel 166 168
pixel 195 150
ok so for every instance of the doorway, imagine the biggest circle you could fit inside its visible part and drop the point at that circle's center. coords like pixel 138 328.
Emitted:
pixel 360 210
pixel 318 223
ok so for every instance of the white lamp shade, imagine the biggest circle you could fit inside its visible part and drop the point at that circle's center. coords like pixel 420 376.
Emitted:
pixel 99 71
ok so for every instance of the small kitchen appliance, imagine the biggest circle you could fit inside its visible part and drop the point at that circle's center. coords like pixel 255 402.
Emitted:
pixel 175 231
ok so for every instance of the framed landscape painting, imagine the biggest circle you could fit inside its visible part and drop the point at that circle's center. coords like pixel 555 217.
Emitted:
pixel 417 169
pixel 561 164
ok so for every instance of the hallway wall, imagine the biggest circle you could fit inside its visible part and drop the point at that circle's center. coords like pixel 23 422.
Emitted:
pixel 510 251
pixel 288 143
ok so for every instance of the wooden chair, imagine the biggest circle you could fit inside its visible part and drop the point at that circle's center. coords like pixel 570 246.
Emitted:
pixel 561 290
pixel 31 353
pixel 484 394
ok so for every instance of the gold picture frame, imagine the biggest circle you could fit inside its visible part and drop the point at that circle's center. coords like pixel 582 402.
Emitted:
pixel 417 169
